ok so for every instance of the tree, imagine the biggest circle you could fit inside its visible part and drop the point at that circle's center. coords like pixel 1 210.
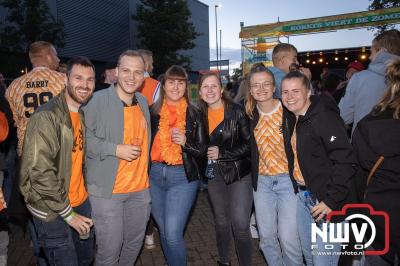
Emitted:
pixel 380 4
pixel 164 28
pixel 237 73
pixel 29 21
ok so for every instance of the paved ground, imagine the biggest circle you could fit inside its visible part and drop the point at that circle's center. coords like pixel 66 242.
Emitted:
pixel 199 236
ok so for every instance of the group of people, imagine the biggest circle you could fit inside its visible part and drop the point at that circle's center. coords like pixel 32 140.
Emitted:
pixel 94 166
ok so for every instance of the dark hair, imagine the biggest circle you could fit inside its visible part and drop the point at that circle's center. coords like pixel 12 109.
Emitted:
pixel 173 72
pixel 330 83
pixel 298 75
pixel 250 102
pixel 389 40
pixel 79 60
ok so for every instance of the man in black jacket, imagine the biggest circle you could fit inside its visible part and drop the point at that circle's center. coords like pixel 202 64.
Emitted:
pixel 322 160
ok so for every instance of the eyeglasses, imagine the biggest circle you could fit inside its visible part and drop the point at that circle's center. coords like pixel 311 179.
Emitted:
pixel 265 85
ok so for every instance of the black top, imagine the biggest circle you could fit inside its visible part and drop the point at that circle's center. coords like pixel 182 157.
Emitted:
pixel 325 155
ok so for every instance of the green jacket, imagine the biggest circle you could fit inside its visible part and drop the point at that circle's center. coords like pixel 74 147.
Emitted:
pixel 46 160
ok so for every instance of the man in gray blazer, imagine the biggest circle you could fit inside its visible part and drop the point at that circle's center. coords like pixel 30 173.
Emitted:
pixel 118 141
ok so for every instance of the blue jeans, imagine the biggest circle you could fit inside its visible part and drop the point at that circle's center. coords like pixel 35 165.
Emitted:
pixel 61 243
pixel 277 227
pixel 313 256
pixel 172 198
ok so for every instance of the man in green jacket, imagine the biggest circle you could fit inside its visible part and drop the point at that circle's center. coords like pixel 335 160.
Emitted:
pixel 52 171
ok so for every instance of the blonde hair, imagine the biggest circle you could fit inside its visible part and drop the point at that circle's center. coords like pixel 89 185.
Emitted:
pixel 250 101
pixel 39 49
pixel 391 99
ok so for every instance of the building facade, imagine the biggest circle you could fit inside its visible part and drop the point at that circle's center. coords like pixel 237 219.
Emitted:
pixel 103 29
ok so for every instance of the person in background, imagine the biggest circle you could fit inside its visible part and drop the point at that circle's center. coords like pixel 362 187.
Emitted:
pixel 321 163
pixel 351 69
pixel 273 187
pixel 329 84
pixel 228 169
pixel 151 87
pixel 368 86
pixel 24 95
pixel 150 90
pixel 178 147
pixel 284 58
pixel 52 171
pixel 118 140
pixel 4 129
pixel 383 190
pixel 108 77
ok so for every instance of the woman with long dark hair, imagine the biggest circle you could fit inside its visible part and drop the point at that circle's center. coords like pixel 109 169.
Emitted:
pixel 228 170
pixel 178 143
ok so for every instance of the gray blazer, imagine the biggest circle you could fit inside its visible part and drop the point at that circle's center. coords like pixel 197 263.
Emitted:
pixel 104 120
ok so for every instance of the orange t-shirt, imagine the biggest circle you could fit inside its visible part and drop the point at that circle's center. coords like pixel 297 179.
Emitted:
pixel 298 176
pixel 132 176
pixel 270 143
pixel 77 192
pixel 215 117
pixel 156 147
pixel 28 92
pixel 149 89
pixel 3 127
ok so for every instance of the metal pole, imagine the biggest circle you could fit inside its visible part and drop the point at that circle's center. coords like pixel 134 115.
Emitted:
pixel 220 45
pixel 216 35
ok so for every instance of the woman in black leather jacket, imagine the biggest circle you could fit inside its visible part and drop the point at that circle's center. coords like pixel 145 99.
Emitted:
pixel 178 145
pixel 228 169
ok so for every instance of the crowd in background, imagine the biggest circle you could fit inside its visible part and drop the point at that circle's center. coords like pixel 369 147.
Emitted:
pixel 94 161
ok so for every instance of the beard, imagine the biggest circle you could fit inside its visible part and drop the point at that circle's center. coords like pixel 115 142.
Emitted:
pixel 74 96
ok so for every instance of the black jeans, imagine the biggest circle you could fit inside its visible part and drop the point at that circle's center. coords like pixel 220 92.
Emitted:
pixel 232 210
pixel 61 243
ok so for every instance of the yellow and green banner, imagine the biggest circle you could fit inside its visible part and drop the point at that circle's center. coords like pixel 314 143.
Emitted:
pixel 320 24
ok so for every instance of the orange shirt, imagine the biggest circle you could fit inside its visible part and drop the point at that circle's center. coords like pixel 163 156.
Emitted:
pixel 215 117
pixel 77 192
pixel 156 147
pixel 150 89
pixel 28 92
pixel 270 143
pixel 3 127
pixel 132 176
pixel 298 176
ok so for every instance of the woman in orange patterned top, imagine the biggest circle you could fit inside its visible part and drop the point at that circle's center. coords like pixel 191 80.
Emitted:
pixel 274 196
pixel 178 144
pixel 228 169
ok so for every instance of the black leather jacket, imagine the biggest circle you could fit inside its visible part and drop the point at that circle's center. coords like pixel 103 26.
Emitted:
pixel 232 137
pixel 195 150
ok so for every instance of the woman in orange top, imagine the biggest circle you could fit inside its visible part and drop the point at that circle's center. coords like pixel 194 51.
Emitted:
pixel 178 144
pixel 228 169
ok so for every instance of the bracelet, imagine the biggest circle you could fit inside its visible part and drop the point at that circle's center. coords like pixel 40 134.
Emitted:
pixel 70 217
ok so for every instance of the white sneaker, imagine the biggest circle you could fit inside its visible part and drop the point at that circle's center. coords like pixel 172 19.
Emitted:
pixel 253 230
pixel 149 241
pixel 3 260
